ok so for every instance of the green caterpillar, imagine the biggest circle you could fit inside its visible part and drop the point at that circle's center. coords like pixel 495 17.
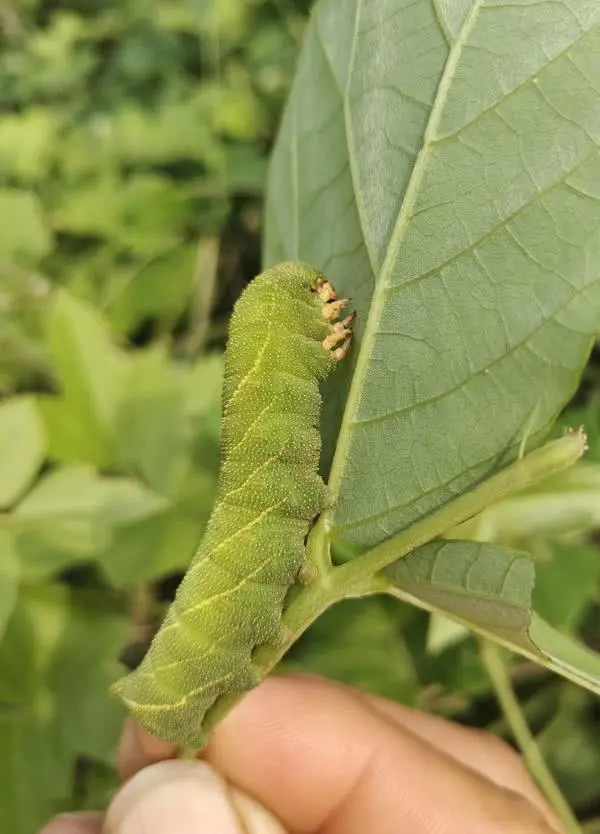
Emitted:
pixel 284 338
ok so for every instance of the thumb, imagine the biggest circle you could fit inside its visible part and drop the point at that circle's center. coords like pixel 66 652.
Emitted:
pixel 185 797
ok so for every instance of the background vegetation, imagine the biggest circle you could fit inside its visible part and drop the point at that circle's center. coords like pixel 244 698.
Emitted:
pixel 133 149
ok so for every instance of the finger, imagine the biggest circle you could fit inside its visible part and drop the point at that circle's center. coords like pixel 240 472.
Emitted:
pixel 478 750
pixel 321 762
pixel 87 822
pixel 185 797
pixel 138 749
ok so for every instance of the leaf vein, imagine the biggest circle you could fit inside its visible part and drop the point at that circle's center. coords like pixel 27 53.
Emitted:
pixel 348 129
pixel 496 227
pixel 380 418
pixel 379 295
pixel 506 95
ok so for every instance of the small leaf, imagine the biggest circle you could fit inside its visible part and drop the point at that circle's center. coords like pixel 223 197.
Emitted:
pixel 144 213
pixel 22 448
pixel 488 589
pixel 204 384
pixel 28 143
pixel 152 428
pixel 75 492
pixel 44 548
pixel 143 136
pixel 159 289
pixel 540 519
pixel 89 367
pixel 30 640
pixel 70 438
pixel 152 549
pixel 71 516
pixel 24 233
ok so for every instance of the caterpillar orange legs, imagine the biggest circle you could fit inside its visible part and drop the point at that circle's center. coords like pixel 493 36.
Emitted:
pixel 340 330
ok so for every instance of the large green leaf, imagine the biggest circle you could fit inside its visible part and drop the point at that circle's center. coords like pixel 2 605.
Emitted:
pixel 440 162
pixel 488 589
pixel 22 447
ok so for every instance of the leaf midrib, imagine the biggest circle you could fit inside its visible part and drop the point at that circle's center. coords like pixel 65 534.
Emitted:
pixel 381 286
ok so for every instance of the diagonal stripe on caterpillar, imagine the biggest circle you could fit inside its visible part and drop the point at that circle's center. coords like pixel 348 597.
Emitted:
pixel 284 337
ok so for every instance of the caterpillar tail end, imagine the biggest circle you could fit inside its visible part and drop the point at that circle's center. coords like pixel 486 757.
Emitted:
pixel 146 703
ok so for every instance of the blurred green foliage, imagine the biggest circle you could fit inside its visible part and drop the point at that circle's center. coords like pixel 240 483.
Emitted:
pixel 133 147
pixel 134 134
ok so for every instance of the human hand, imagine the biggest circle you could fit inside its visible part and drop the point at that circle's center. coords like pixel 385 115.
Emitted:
pixel 325 758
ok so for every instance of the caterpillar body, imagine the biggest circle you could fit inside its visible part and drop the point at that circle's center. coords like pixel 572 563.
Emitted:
pixel 285 336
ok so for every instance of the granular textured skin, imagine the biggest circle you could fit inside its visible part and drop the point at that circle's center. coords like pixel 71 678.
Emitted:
pixel 231 599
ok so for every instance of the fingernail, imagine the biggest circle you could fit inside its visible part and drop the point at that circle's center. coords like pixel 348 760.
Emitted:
pixel 185 797
pixel 254 818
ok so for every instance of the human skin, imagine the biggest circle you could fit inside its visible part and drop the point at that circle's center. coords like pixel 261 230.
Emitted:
pixel 323 758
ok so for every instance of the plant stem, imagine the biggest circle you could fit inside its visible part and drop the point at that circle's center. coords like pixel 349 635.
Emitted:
pixel 523 473
pixel 526 742
pixel 318 549
pixel 302 612
pixel 205 281
pixel 360 577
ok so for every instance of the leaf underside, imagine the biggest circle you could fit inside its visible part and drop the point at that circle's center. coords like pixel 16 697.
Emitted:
pixel 439 161
pixel 488 588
